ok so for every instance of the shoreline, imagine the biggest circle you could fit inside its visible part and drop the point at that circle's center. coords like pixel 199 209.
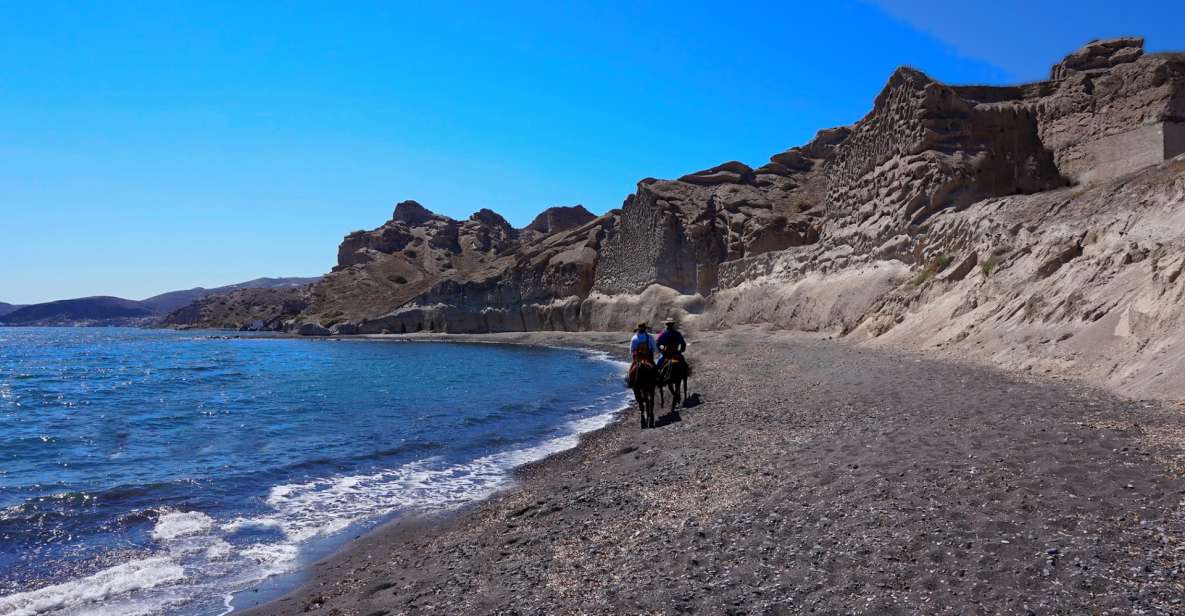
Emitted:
pixel 823 477
pixel 281 587
pixel 570 416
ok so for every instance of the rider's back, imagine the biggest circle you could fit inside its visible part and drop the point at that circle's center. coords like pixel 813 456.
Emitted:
pixel 672 341
pixel 642 346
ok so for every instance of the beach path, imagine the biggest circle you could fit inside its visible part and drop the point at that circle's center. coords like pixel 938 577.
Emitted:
pixel 809 475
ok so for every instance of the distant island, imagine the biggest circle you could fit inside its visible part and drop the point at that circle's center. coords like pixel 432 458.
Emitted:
pixel 155 310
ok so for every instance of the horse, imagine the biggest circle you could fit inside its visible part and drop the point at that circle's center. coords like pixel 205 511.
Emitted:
pixel 643 378
pixel 673 376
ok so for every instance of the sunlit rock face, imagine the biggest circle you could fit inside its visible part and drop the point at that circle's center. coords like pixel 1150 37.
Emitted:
pixel 966 218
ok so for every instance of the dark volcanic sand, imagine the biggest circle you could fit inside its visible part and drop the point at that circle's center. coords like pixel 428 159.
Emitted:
pixel 815 477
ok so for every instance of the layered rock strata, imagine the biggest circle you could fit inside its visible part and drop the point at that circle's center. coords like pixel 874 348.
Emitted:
pixel 945 209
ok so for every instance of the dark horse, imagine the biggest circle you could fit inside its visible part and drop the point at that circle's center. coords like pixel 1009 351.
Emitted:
pixel 673 376
pixel 643 378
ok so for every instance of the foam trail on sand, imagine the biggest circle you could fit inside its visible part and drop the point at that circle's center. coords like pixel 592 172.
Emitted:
pixel 324 506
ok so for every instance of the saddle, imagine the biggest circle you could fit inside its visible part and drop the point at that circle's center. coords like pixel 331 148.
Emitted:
pixel 670 364
pixel 632 374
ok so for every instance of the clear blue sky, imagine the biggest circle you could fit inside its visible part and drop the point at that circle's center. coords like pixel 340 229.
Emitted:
pixel 151 147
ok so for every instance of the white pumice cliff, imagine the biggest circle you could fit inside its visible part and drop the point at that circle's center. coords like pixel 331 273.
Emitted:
pixel 1037 227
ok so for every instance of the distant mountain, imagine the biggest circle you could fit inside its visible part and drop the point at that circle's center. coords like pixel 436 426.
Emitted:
pixel 83 310
pixel 116 311
pixel 168 302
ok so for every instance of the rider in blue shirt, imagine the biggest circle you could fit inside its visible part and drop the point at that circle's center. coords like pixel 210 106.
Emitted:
pixel 642 345
pixel 670 342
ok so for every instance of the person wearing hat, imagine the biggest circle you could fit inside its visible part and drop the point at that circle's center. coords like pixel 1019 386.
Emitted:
pixel 670 342
pixel 642 345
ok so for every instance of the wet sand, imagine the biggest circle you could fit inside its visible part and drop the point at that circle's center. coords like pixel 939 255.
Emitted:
pixel 811 477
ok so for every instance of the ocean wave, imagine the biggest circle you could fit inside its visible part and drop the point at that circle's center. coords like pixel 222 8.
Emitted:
pixel 200 555
pixel 226 531
pixel 324 506
pixel 175 524
pixel 79 596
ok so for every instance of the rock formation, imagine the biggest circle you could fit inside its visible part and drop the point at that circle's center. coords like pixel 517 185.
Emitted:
pixel 977 219
pixel 1110 109
pixel 266 309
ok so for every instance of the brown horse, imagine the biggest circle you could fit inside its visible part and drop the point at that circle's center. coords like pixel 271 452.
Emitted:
pixel 643 378
pixel 673 376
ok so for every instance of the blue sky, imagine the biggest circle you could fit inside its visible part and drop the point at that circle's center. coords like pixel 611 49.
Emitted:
pixel 157 147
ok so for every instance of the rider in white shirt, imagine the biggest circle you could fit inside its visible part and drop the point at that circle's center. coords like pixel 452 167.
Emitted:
pixel 643 343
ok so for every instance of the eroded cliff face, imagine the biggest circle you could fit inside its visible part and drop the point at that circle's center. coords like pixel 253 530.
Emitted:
pixel 1046 243
pixel 946 218
pixel 382 269
pixel 422 271
pixel 1111 110
pixel 266 309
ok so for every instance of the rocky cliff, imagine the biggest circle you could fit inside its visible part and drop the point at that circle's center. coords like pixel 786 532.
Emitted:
pixel 255 309
pixel 1001 222
pixel 421 271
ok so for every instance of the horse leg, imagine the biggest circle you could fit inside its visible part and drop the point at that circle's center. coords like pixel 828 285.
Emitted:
pixel 640 398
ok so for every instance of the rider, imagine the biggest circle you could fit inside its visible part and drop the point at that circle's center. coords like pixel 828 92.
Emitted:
pixel 642 345
pixel 670 342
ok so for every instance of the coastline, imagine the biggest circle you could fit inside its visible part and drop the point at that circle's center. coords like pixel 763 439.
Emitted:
pixel 438 484
pixel 822 477
pixel 597 345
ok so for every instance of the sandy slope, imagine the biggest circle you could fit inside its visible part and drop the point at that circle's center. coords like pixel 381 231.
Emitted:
pixel 822 478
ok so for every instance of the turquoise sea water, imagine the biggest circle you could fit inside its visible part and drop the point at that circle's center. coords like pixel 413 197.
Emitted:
pixel 159 472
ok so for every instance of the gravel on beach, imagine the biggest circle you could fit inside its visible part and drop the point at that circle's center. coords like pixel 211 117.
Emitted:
pixel 808 476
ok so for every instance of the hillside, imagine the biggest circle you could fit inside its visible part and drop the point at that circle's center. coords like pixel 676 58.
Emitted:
pixel 262 309
pixel 1035 226
pixel 6 308
pixel 81 311
pixel 116 311
pixel 168 302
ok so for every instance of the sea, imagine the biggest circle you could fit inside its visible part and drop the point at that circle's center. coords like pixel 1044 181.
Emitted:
pixel 164 472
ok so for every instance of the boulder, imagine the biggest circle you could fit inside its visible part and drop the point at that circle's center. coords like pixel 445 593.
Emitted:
pixel 1099 54
pixel 411 213
pixel 561 218
pixel 732 172
pixel 311 329
pixel 344 329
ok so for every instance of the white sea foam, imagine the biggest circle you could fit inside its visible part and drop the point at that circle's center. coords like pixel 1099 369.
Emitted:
pixel 80 596
pixel 217 561
pixel 325 506
pixel 178 524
